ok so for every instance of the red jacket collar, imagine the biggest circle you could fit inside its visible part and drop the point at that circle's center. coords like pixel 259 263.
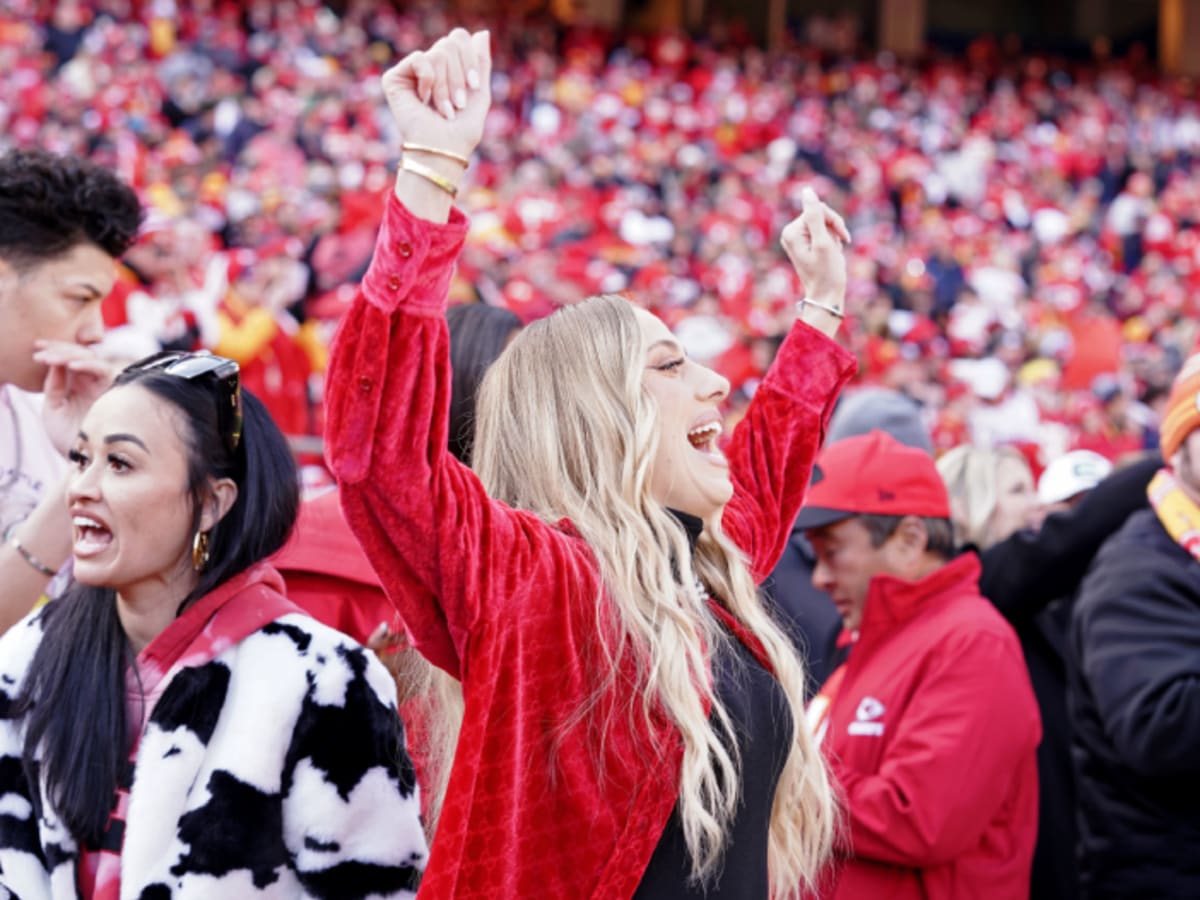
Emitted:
pixel 893 601
pixel 261 589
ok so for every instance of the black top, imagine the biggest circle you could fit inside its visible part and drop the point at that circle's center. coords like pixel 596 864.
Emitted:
pixel 758 709
pixel 807 614
pixel 1032 578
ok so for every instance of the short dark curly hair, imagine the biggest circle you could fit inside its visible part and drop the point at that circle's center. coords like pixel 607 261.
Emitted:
pixel 50 204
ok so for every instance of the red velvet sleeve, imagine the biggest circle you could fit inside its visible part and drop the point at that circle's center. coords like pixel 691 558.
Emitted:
pixel 448 556
pixel 772 450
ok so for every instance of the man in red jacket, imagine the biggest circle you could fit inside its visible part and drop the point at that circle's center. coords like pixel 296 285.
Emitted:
pixel 931 726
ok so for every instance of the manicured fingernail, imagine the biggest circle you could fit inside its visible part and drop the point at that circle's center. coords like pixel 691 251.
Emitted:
pixel 460 98
pixel 447 109
pixel 473 79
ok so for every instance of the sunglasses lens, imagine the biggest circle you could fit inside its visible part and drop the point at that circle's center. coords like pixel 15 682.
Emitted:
pixel 157 361
pixel 194 366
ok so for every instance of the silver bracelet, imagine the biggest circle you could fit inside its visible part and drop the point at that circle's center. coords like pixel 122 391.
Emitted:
pixel 804 301
pixel 30 558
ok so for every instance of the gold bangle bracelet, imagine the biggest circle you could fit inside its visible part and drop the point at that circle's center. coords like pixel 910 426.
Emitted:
pixel 431 175
pixel 30 558
pixel 435 151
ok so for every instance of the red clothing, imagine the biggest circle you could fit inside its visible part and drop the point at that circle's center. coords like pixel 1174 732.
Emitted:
pixel 329 577
pixel 533 809
pixel 932 737
pixel 327 574
pixel 274 366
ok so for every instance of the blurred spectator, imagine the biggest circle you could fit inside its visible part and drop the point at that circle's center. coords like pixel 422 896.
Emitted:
pixel 931 725
pixel 167 290
pixel 1064 482
pixel 992 493
pixel 478 334
pixel 1026 208
pixel 1031 577
pixel 1134 698
pixel 258 330
pixel 62 223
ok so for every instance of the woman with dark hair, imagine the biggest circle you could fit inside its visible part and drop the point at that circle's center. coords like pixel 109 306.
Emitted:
pixel 478 334
pixel 173 726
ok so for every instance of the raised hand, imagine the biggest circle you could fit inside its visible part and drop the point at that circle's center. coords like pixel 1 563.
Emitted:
pixel 76 377
pixel 815 243
pixel 440 96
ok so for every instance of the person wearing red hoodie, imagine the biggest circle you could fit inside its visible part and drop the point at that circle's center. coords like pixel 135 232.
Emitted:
pixel 931 726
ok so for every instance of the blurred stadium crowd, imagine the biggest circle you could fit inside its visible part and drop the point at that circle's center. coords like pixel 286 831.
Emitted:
pixel 1025 252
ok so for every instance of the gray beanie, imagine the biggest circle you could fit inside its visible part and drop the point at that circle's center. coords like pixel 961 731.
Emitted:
pixel 890 411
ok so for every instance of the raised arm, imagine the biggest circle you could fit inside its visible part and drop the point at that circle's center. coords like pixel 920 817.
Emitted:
pixel 1030 569
pixel 773 448
pixel 444 551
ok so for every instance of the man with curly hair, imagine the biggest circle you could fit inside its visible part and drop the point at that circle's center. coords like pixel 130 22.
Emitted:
pixel 63 224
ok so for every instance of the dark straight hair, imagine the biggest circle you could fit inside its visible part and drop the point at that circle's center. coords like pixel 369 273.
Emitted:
pixel 74 696
pixel 478 334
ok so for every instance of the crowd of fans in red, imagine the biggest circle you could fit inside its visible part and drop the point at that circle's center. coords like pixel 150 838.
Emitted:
pixel 1024 250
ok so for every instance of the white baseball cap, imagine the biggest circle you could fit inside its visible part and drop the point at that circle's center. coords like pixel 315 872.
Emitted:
pixel 1072 474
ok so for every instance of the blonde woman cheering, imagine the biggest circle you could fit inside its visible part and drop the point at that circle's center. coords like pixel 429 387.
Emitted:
pixel 633 723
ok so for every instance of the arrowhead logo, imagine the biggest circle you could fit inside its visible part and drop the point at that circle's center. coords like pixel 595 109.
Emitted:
pixel 866 718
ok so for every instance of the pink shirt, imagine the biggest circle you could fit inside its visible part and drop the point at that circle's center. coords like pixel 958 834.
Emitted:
pixel 29 464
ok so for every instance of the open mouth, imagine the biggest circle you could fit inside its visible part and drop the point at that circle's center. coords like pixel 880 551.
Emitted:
pixel 91 536
pixel 704 437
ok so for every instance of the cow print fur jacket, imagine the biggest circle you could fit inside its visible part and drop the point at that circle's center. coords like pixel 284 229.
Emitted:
pixel 276 769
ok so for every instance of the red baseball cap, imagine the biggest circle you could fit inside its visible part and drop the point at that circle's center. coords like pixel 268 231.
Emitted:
pixel 873 474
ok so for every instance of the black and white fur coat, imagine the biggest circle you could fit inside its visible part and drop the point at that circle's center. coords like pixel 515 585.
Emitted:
pixel 275 770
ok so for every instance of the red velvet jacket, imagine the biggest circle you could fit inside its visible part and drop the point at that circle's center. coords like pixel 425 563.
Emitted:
pixel 932 737
pixel 534 808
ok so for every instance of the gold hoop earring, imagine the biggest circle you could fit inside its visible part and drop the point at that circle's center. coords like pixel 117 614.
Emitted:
pixel 200 551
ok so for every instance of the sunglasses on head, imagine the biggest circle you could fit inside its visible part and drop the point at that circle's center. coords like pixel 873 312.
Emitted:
pixel 224 372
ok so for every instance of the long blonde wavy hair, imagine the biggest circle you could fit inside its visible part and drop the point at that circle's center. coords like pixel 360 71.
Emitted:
pixel 566 429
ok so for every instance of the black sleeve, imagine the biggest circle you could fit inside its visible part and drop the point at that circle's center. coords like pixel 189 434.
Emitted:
pixel 806 614
pixel 1136 637
pixel 1029 570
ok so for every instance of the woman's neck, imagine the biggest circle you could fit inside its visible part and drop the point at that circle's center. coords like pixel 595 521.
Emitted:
pixel 145 610
pixel 142 626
